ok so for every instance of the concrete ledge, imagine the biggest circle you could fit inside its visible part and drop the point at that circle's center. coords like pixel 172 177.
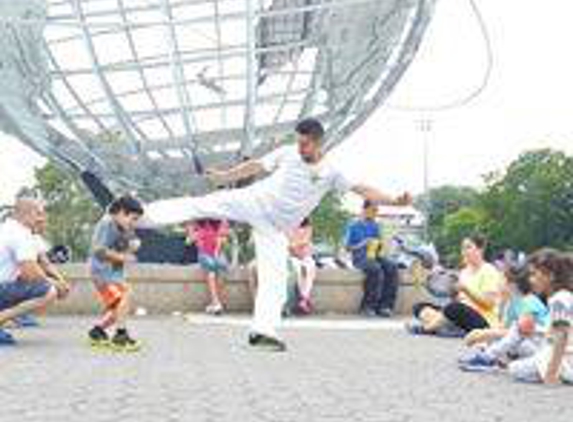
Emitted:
pixel 164 289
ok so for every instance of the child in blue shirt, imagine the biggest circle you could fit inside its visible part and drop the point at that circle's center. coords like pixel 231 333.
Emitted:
pixel 526 319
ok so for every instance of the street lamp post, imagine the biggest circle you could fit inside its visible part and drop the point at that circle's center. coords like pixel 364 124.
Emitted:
pixel 425 126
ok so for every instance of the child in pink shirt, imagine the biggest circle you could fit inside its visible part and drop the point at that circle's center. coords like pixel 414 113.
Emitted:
pixel 209 236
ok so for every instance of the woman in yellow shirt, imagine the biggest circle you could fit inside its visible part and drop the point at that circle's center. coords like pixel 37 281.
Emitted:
pixel 478 294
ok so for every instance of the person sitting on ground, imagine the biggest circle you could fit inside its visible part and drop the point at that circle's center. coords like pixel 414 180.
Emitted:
pixel 25 286
pixel 551 276
pixel 363 240
pixel 300 249
pixel 114 244
pixel 476 301
pixel 209 236
pixel 519 304
pixel 526 319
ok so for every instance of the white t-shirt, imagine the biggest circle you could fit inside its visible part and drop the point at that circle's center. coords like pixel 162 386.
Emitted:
pixel 42 247
pixel 295 188
pixel 561 311
pixel 17 244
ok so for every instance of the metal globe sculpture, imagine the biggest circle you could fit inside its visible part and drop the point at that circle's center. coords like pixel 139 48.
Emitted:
pixel 146 94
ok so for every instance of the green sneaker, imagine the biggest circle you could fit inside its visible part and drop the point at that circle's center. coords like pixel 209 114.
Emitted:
pixel 98 338
pixel 122 342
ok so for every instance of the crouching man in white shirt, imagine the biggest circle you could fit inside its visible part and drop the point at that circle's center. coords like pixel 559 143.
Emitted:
pixel 25 286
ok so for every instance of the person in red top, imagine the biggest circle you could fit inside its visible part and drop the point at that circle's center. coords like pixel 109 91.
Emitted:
pixel 300 248
pixel 209 236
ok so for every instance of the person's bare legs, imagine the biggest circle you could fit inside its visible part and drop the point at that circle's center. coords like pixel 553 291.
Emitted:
pixel 213 286
pixel 222 292
pixel 116 314
pixel 122 309
pixel 484 335
pixel 432 319
pixel 107 319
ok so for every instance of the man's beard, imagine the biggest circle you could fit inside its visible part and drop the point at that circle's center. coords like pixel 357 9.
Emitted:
pixel 311 158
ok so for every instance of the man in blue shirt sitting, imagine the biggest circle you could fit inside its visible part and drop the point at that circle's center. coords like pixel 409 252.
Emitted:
pixel 363 240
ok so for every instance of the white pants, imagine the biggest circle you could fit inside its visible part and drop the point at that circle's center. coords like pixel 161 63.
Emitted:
pixel 305 269
pixel 271 244
pixel 514 343
pixel 532 369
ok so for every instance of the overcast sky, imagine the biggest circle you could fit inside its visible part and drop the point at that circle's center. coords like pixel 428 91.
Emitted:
pixel 528 102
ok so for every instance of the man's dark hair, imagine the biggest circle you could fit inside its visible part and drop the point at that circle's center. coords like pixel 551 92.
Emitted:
pixel 126 203
pixel 368 203
pixel 310 127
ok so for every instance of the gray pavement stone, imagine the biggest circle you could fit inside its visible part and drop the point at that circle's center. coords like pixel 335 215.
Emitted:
pixel 197 372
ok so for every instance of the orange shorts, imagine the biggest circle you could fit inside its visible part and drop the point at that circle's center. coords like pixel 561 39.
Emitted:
pixel 111 293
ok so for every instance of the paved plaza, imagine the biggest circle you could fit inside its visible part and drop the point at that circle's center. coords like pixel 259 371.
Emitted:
pixel 201 370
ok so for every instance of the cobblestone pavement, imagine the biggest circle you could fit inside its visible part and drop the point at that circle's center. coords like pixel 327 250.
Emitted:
pixel 195 371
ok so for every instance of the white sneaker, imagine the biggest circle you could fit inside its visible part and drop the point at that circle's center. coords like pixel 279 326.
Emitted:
pixel 214 309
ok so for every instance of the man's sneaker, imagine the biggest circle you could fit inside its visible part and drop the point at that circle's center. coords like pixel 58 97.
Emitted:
pixel 98 337
pixel 468 354
pixel 263 342
pixel 26 321
pixel 214 309
pixel 479 363
pixel 368 313
pixel 122 342
pixel 385 313
pixel 6 339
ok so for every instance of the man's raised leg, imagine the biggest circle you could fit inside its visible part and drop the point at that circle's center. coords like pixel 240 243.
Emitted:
pixel 233 204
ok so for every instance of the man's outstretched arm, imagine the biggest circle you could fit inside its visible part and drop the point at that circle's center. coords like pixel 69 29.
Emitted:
pixel 244 170
pixel 374 195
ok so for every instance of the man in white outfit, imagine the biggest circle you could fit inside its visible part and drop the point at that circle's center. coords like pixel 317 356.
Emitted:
pixel 299 178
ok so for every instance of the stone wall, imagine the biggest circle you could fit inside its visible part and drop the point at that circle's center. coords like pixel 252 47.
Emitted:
pixel 163 289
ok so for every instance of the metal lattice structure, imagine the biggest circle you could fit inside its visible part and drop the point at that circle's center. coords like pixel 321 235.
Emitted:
pixel 147 93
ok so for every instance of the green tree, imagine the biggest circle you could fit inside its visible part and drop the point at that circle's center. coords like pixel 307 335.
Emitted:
pixel 71 211
pixel 443 201
pixel 527 206
pixel 530 205
pixel 329 220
